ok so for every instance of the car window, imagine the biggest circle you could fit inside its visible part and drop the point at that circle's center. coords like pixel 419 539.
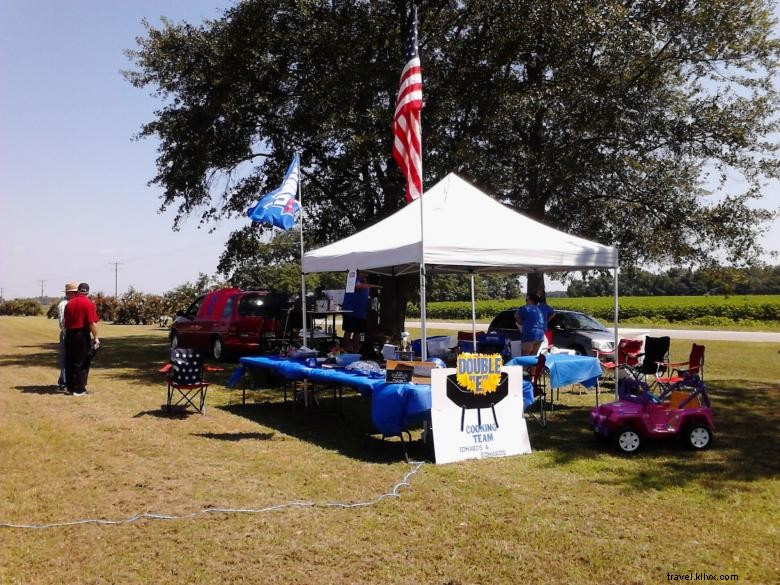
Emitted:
pixel 504 320
pixel 252 306
pixel 193 308
pixel 228 308
pixel 582 321
pixel 564 321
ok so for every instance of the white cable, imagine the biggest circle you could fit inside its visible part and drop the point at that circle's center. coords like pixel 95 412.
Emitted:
pixel 394 493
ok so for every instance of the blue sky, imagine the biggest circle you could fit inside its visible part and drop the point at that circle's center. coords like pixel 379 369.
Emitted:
pixel 73 183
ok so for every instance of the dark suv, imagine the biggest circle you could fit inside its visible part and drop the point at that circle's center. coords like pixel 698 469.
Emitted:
pixel 570 329
pixel 229 321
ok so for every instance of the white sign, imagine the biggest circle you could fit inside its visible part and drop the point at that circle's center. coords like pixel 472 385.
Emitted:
pixel 473 425
pixel 351 280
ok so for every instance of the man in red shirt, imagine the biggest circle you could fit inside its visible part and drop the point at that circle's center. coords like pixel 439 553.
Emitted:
pixel 80 319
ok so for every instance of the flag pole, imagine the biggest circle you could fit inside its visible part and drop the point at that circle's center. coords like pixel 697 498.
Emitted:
pixel 303 275
pixel 423 296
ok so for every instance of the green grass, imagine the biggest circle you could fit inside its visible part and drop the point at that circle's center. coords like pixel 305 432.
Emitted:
pixel 571 512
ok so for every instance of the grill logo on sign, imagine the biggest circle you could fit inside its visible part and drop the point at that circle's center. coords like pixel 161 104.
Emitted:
pixel 477 384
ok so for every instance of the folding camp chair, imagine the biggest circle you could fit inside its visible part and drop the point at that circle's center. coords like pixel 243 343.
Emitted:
pixel 627 356
pixel 655 354
pixel 186 385
pixel 674 371
pixel 540 392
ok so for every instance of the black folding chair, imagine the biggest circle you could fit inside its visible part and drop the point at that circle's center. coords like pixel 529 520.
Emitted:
pixel 655 354
pixel 186 384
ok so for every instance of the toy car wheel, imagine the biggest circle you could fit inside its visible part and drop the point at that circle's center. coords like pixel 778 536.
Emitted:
pixel 627 440
pixel 697 437
pixel 217 350
pixel 174 341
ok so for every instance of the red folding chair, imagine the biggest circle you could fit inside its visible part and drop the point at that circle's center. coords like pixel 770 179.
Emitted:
pixel 628 355
pixel 672 372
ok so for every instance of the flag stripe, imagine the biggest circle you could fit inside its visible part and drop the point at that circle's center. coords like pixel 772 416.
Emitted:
pixel 407 127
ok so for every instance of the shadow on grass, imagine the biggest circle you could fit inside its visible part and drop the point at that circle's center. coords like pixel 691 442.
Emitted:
pixel 162 412
pixel 346 430
pixel 237 436
pixel 744 446
pixel 139 357
pixel 52 389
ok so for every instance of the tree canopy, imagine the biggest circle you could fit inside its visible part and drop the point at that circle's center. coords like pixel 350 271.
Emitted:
pixel 618 121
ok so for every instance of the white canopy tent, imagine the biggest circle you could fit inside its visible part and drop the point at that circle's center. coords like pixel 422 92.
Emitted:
pixel 460 229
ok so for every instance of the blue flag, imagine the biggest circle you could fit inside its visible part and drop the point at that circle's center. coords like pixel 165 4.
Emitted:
pixel 280 206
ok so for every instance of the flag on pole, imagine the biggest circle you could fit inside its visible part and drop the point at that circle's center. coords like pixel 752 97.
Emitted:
pixel 407 146
pixel 280 206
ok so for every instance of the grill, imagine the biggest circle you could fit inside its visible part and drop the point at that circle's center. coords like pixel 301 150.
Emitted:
pixel 468 400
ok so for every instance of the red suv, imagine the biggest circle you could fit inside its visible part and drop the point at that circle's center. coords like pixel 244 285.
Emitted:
pixel 229 321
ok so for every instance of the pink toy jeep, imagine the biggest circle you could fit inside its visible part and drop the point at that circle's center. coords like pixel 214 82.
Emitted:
pixel 681 410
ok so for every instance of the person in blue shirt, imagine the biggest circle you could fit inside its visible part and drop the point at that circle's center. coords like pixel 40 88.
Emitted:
pixel 354 323
pixel 532 320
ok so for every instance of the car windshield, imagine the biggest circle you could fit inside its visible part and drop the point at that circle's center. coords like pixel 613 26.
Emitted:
pixel 582 322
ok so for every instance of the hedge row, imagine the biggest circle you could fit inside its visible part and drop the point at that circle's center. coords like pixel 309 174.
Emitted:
pixel 671 309
pixel 21 307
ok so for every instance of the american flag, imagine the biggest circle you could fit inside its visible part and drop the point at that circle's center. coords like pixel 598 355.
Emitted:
pixel 407 147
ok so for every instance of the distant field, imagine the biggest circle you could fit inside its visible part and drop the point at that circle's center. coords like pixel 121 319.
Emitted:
pixel 573 511
pixel 745 311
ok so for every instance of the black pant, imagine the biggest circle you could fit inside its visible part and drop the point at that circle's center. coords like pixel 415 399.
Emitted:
pixel 77 361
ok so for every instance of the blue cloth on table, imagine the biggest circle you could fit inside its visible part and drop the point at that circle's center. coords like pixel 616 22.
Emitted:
pixel 565 369
pixel 528 393
pixel 394 407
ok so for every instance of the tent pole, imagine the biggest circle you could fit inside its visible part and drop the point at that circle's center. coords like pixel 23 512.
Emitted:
pixel 473 316
pixel 616 317
pixel 303 276
pixel 423 331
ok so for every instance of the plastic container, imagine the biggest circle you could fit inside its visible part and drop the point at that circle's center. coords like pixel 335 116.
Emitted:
pixel 389 351
pixel 345 359
pixel 438 345
pixel 466 346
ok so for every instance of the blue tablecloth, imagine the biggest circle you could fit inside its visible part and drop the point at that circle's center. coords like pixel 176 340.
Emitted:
pixel 394 407
pixel 565 369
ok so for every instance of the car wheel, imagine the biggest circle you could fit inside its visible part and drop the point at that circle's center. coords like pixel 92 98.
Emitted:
pixel 217 350
pixel 174 341
pixel 578 349
pixel 697 437
pixel 628 441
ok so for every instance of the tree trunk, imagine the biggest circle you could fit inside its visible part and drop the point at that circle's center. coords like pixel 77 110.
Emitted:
pixel 536 283
pixel 396 291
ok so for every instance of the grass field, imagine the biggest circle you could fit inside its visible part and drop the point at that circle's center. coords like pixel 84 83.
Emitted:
pixel 571 512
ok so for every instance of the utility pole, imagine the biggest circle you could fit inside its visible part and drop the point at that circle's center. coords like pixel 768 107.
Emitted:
pixel 43 283
pixel 116 276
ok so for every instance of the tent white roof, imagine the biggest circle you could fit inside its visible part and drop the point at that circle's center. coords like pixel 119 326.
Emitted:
pixel 465 230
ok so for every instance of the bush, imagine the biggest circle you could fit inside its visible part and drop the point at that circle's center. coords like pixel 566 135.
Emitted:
pixel 21 307
pixel 136 308
pixel 53 313
pixel 106 307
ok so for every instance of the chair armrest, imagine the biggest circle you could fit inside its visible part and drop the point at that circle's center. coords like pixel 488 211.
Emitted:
pixel 165 369
pixel 673 364
pixel 213 369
